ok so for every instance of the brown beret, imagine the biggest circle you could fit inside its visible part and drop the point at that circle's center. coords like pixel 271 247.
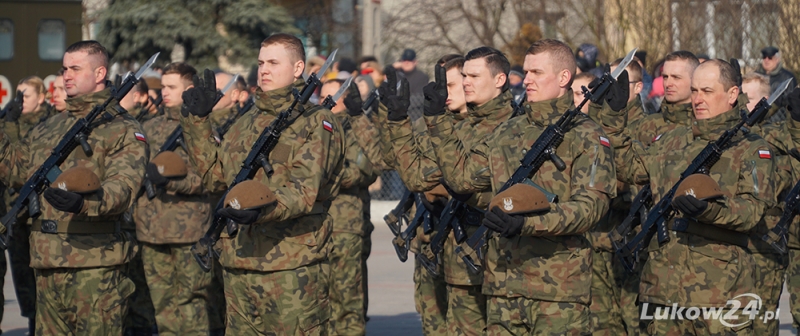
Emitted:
pixel 437 192
pixel 520 199
pixel 170 165
pixel 701 186
pixel 78 180
pixel 249 195
pixel 153 83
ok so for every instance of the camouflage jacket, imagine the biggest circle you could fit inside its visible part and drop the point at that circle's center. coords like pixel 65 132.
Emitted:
pixel 219 117
pixel 22 127
pixel 381 118
pixel 647 129
pixel 120 154
pixel 307 165
pixel 368 137
pixel 551 259
pixel 180 213
pixel 690 269
pixel 347 209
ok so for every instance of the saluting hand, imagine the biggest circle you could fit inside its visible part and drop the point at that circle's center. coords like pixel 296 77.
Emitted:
pixel 436 93
pixel 396 101
pixel 353 100
pixel 201 98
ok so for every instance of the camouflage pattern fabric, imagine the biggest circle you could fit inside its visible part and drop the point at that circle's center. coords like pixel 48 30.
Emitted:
pixel 216 300
pixel 466 310
pixel 793 285
pixel 290 302
pixel 82 301
pixel 346 285
pixel 522 316
pixel 141 315
pixel 430 297
pixel 770 274
pixel 605 308
pixel 219 117
pixel 699 326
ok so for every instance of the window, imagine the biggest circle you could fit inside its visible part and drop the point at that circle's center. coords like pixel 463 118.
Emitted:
pixel 51 39
pixel 6 39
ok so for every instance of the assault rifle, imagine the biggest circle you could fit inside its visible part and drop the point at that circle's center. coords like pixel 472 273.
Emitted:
pixel 257 159
pixel 78 135
pixel 395 218
pixel 655 223
pixel 402 241
pixel 777 236
pixel 542 150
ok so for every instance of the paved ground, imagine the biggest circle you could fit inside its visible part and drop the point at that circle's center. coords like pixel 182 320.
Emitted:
pixel 391 290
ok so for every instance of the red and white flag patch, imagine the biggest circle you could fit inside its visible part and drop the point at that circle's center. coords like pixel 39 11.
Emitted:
pixel 604 141
pixel 657 137
pixel 764 154
pixel 140 137
pixel 327 126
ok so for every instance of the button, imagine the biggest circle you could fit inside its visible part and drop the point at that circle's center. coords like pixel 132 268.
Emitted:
pixel 669 301
pixel 239 253
pixel 510 292
pixel 308 241
pixel 671 267
pixel 524 151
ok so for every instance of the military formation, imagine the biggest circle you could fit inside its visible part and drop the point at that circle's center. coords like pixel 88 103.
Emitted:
pixel 190 204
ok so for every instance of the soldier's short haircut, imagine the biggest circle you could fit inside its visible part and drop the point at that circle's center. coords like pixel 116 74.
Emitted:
pixel 367 58
pixel 585 75
pixel 561 55
pixel 495 60
pixel 683 55
pixel 761 80
pixel 141 86
pixel 290 42
pixel 92 48
pixel 35 82
pixel 455 63
pixel 727 75
pixel 634 70
pixel 444 59
pixel 185 71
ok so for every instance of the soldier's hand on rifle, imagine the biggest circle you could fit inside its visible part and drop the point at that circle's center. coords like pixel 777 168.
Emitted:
pixel 240 216
pixel 436 93
pixel 506 225
pixel 794 103
pixel 200 99
pixel 353 100
pixel 689 205
pixel 15 107
pixel 64 200
pixel 152 174
pixel 396 101
pixel 618 92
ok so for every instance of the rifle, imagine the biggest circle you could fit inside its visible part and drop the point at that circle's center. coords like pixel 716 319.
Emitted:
pixel 240 111
pixel 518 106
pixel 655 222
pixel 76 136
pixel 330 102
pixel 16 101
pixel 777 236
pixel 395 218
pixel 175 139
pixel 367 107
pixel 542 150
pixel 402 241
pixel 258 158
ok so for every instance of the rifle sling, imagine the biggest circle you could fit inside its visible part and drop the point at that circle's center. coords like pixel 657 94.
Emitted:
pixel 709 231
pixel 99 226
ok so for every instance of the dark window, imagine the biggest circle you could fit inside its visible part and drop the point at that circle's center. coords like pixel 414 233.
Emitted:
pixel 51 39
pixel 6 39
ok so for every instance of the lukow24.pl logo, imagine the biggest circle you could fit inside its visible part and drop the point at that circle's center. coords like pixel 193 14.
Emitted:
pixel 737 312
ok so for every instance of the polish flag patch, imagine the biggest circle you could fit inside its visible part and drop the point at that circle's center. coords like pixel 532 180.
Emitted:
pixel 604 141
pixel 657 137
pixel 140 137
pixel 764 154
pixel 327 126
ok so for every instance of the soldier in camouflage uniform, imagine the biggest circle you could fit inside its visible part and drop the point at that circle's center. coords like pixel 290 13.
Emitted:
pixel 711 265
pixel 275 267
pixel 170 223
pixel 19 121
pixel 537 272
pixel 77 247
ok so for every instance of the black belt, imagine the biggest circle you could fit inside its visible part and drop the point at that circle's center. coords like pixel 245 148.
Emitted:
pixel 710 232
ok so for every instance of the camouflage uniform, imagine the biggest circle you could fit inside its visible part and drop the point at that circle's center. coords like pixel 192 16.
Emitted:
pixel 19 248
pixel 539 282
pixel 80 287
pixel 219 117
pixel 346 283
pixel 167 226
pixel 704 268
pixel 275 269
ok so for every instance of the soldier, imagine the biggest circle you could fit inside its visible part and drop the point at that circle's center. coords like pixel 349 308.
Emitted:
pixel 706 262
pixel 582 79
pixel 77 247
pixel 59 95
pixel 346 279
pixel 275 267
pixel 536 275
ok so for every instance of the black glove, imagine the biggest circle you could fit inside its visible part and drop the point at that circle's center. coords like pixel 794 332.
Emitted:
pixel 507 225
pixel 152 174
pixel 200 99
pixel 618 91
pixel 14 110
pixel 396 102
pixel 793 99
pixel 689 205
pixel 353 100
pixel 64 200
pixel 240 216
pixel 436 93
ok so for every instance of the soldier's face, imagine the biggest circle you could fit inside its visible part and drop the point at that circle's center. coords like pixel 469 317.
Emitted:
pixel 59 94
pixel 276 67
pixel 754 93
pixel 577 94
pixel 329 89
pixel 479 85
pixel 31 99
pixel 82 74
pixel 709 97
pixel 677 77
pixel 455 91
pixel 172 89
pixel 542 80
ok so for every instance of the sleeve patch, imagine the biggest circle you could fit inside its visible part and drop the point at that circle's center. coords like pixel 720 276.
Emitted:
pixel 327 126
pixel 657 137
pixel 764 154
pixel 140 137
pixel 604 141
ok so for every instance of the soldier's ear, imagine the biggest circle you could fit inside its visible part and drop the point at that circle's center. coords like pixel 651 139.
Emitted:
pixel 500 80
pixel 564 78
pixel 733 95
pixel 100 74
pixel 299 67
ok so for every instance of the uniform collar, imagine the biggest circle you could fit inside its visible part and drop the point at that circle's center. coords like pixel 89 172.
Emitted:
pixel 80 106
pixel 677 113
pixel 711 129
pixel 275 101
pixel 173 113
pixel 498 107
pixel 546 112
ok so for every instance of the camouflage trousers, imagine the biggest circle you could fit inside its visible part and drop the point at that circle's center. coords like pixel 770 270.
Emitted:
pixel 793 285
pixel 141 314
pixel 346 287
pixel 82 301
pixel 466 310
pixel 290 302
pixel 430 296
pixel 19 253
pixel 700 326
pixel 605 309
pixel 523 316
pixel 367 250
pixel 178 288
pixel 769 278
